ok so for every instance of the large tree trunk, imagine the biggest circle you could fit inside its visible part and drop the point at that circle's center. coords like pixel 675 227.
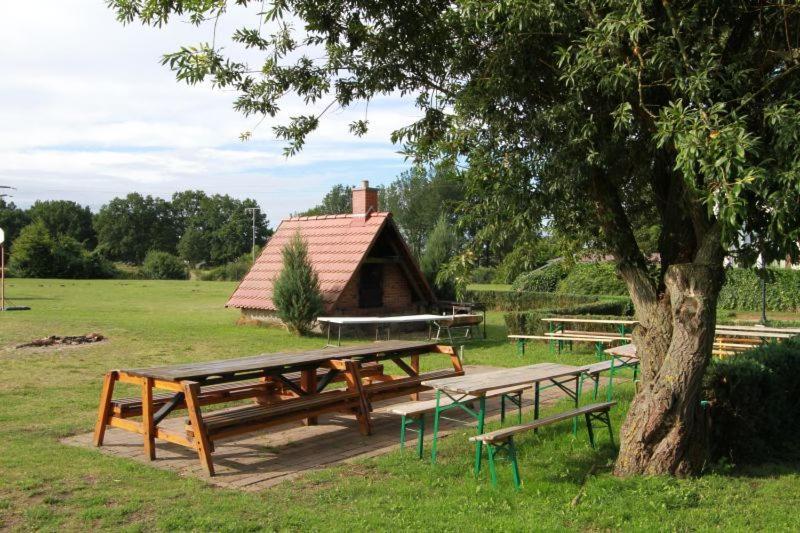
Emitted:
pixel 664 430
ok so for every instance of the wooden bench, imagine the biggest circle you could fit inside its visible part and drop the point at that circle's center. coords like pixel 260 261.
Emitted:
pixel 238 390
pixel 394 387
pixel 502 440
pixel 249 418
pixel 413 413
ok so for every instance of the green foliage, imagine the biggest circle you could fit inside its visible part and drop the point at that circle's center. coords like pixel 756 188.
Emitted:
pixel 233 271
pixel 482 275
pixel 592 278
pixel 526 300
pixel 215 229
pixel 337 201
pixel 12 220
pixel 742 289
pixel 443 244
pixel 296 291
pixel 39 254
pixel 418 198
pixel 62 217
pixel 163 265
pixel 127 228
pixel 544 279
pixel 754 403
pixel 530 322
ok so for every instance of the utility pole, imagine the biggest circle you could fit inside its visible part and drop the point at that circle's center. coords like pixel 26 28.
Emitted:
pixel 253 210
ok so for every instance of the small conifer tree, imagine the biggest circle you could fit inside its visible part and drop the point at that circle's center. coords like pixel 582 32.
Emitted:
pixel 296 291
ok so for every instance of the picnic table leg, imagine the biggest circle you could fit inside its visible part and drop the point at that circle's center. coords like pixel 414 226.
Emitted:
pixel 421 434
pixel 492 471
pixel 308 382
pixel 436 414
pixel 104 410
pixel 148 428
pixel 578 387
pixel 353 377
pixel 536 403
pixel 201 441
pixel 479 444
pixel 415 368
pixel 589 429
pixel 512 453
pixel 610 387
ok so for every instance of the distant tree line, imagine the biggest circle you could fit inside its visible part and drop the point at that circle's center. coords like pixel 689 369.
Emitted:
pixel 59 238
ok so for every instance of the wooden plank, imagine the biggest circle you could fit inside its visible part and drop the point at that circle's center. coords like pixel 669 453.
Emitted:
pixel 278 361
pixel 479 384
pixel 147 419
pixel 201 442
pixel 591 321
pixel 503 434
pixel 415 372
pixel 104 409
pixel 308 382
pixel 761 335
pixel 126 424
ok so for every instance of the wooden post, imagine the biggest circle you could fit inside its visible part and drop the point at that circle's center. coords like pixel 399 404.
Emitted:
pixel 415 367
pixel 308 382
pixel 201 442
pixel 148 428
pixel 353 377
pixel 104 411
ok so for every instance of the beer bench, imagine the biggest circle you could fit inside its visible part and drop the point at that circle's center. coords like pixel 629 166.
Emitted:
pixel 502 440
pixel 413 413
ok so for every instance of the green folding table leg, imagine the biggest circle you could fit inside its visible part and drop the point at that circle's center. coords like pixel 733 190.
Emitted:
pixel 436 415
pixel 610 388
pixel 403 424
pixel 479 444
pixel 502 408
pixel 421 436
pixel 589 429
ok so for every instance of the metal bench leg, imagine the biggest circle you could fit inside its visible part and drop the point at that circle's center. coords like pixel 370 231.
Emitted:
pixel 536 404
pixel 490 449
pixel 403 424
pixel 512 454
pixel 589 429
pixel 421 434
pixel 502 408
pixel 610 388
pixel 610 429
pixel 578 393
pixel 436 414
pixel 479 444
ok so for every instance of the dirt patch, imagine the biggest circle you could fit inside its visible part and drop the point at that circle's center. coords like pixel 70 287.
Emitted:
pixel 72 340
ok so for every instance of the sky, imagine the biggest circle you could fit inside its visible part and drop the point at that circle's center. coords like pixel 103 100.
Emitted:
pixel 87 113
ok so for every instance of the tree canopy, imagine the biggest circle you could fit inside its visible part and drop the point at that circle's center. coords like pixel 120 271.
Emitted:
pixel 63 217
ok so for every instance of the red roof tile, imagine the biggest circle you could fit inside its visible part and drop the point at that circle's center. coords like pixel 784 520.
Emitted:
pixel 336 245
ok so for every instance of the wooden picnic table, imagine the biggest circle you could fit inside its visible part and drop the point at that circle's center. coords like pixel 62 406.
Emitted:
pixel 186 383
pixel 461 391
pixel 759 329
pixel 726 332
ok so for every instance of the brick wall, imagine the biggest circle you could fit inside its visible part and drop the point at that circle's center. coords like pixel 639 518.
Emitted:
pixel 397 295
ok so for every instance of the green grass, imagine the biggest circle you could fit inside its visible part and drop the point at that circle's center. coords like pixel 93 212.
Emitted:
pixel 48 394
pixel 505 287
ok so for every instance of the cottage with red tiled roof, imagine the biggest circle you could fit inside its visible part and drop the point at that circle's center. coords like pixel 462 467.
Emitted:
pixel 365 267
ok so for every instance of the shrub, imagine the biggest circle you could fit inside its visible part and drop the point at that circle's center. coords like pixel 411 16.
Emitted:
pixel 543 279
pixel 742 289
pixel 443 243
pixel 233 271
pixel 483 275
pixel 37 254
pixel 296 291
pixel 163 265
pixel 754 403
pixel 517 301
pixel 592 278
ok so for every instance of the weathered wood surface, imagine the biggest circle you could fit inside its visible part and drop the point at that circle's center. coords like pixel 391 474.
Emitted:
pixel 478 385
pixel 603 366
pixel 502 434
pixel 277 361
pixel 591 321
pixel 626 350
pixel 725 332
pixel 760 328
pixel 587 336
pixel 428 406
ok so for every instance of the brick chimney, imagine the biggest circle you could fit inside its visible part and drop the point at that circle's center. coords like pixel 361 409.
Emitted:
pixel 365 200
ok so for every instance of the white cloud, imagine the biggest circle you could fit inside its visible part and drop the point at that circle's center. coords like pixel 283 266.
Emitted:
pixel 88 112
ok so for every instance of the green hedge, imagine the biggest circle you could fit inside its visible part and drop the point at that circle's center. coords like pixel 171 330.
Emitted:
pixel 544 279
pixel 592 278
pixel 516 301
pixel 530 322
pixel 742 290
pixel 754 403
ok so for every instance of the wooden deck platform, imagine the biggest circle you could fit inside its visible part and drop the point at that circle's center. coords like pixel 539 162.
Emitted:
pixel 261 460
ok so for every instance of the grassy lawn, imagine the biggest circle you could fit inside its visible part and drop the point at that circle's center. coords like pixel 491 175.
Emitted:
pixel 47 394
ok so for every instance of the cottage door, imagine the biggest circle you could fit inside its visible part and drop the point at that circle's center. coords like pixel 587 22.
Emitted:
pixel 370 286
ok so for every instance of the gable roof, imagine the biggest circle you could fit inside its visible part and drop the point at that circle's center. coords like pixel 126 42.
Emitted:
pixel 337 245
